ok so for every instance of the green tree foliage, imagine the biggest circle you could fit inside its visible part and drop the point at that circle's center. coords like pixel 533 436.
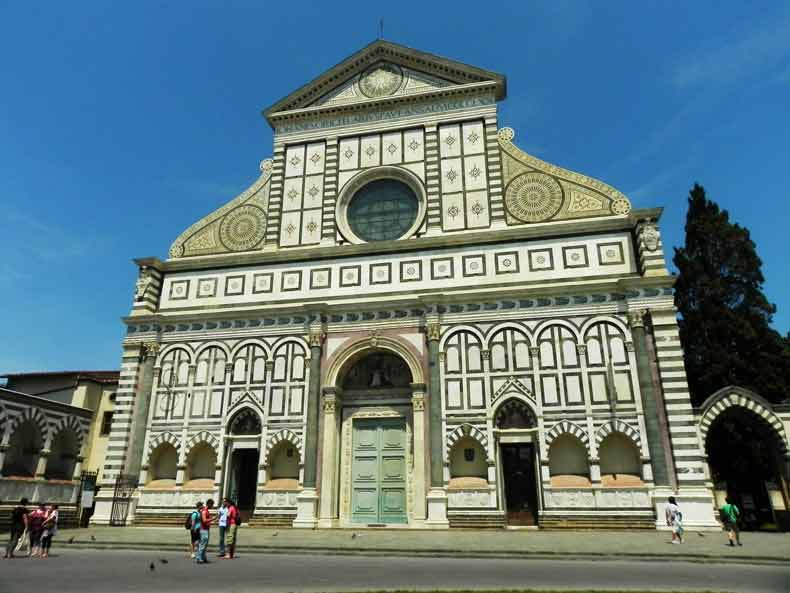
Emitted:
pixel 725 317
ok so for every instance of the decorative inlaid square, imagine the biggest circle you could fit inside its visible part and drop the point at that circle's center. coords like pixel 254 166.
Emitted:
pixel 207 287
pixel 411 271
pixel 291 281
pixel 474 265
pixel 610 254
pixel 179 290
pixel 262 282
pixel 380 273
pixel 506 263
pixel 441 268
pixel 234 285
pixel 540 259
pixel 350 275
pixel 575 257
pixel 320 278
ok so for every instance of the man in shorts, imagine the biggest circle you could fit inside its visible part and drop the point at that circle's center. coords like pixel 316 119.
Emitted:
pixel 729 516
pixel 194 532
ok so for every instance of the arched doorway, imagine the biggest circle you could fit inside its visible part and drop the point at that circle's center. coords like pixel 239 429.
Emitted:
pixel 747 459
pixel 244 430
pixel 373 440
pixel 514 424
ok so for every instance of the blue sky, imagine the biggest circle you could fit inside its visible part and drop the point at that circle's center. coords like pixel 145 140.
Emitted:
pixel 122 124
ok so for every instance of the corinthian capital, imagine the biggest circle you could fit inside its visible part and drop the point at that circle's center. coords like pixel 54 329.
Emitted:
pixel 316 338
pixel 637 318
pixel 151 349
pixel 434 331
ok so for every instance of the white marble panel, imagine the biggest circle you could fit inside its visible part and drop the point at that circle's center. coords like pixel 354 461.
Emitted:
pixel 392 148
pixel 289 228
pixel 549 389
pixel 453 212
pixel 343 177
pixel 294 161
pixel 417 168
pixel 477 215
pixel 314 158
pixel 413 145
pixel 311 227
pixel 370 151
pixel 292 194
pixel 313 191
pixel 450 141
pixel 473 137
pixel 348 155
pixel 451 172
pixel 475 172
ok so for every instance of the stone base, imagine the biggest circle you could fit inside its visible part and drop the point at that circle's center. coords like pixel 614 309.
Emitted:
pixel 437 509
pixel 306 509
pixel 696 503
pixel 103 509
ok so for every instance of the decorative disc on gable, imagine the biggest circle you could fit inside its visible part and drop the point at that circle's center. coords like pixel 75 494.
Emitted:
pixel 243 228
pixel 533 197
pixel 380 80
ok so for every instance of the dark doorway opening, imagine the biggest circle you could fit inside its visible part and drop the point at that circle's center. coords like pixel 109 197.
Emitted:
pixel 521 490
pixel 744 455
pixel 244 478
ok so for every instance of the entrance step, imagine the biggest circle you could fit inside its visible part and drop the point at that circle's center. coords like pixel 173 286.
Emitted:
pixel 598 522
pixel 280 521
pixel 159 519
pixel 476 521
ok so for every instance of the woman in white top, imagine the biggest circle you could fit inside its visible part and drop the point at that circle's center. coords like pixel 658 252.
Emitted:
pixel 675 520
pixel 50 529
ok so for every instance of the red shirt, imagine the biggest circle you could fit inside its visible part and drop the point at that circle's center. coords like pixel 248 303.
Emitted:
pixel 233 515
pixel 205 518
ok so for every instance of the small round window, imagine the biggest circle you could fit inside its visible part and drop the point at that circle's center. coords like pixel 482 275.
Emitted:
pixel 382 210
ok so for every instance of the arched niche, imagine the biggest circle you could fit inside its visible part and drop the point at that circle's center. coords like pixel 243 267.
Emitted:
pixel 569 465
pixel 468 466
pixel 620 461
pixel 63 456
pixel 24 449
pixel 283 471
pixel 200 467
pixel 163 466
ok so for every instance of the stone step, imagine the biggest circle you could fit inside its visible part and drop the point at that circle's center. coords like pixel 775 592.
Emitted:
pixel 597 523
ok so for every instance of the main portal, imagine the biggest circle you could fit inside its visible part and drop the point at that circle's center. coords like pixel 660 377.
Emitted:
pixel 378 471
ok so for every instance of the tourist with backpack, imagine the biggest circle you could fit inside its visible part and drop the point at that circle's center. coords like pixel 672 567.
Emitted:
pixel 729 516
pixel 192 524
pixel 205 524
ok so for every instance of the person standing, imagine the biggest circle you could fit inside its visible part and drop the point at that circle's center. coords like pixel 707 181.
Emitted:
pixel 234 520
pixel 730 515
pixel 222 522
pixel 194 529
pixel 205 524
pixel 36 529
pixel 50 526
pixel 18 527
pixel 675 520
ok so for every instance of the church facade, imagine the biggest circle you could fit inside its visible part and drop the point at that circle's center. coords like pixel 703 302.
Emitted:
pixel 407 320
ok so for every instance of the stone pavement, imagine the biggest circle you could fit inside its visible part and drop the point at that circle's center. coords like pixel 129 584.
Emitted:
pixel 708 546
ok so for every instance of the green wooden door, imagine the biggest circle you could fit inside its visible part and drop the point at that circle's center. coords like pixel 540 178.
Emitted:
pixel 378 471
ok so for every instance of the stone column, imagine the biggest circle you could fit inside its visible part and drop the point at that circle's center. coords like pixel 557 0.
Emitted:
pixel 329 459
pixel 653 415
pixel 41 466
pixel 307 501
pixel 437 497
pixel 419 476
pixel 141 407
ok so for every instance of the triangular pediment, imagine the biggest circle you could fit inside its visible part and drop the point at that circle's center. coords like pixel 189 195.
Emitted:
pixel 383 70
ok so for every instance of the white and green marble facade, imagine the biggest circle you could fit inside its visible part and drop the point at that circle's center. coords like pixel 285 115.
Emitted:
pixel 518 281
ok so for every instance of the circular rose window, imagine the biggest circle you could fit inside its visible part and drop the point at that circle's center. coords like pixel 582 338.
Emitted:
pixel 381 210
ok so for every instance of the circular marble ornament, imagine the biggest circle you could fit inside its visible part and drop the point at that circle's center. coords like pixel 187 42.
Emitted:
pixel 506 134
pixel 243 228
pixel 381 80
pixel 621 206
pixel 533 197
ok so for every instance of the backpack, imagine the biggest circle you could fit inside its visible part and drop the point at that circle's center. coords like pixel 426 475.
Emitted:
pixel 189 521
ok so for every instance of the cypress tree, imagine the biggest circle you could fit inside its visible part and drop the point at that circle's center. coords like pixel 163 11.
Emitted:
pixel 725 316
